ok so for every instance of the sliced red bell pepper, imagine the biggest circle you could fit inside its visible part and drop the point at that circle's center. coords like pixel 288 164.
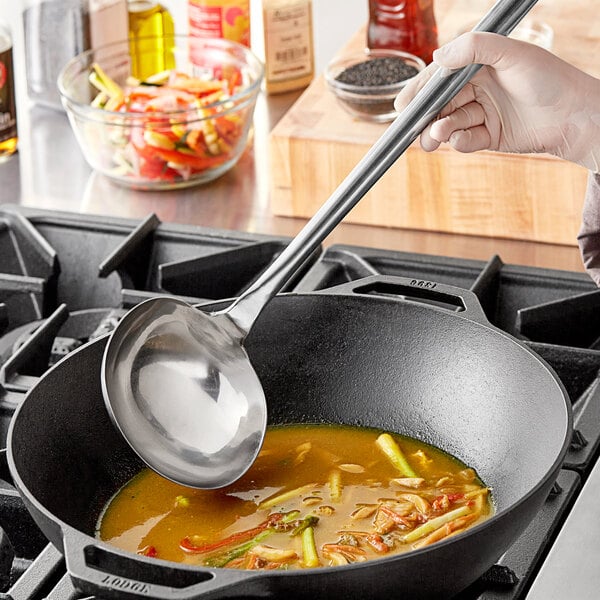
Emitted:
pixel 377 543
pixel 157 169
pixel 237 538
pixel 190 160
pixel 148 551
pixel 227 130
pixel 234 80
pixel 439 501
pixel 394 516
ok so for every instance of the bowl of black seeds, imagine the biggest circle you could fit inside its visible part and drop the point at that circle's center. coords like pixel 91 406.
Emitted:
pixel 367 83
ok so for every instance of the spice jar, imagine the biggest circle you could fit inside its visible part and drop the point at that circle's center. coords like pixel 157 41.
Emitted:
pixel 8 114
pixel 407 25
pixel 55 31
pixel 287 41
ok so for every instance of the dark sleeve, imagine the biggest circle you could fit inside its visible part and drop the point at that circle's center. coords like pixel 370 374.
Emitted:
pixel 589 234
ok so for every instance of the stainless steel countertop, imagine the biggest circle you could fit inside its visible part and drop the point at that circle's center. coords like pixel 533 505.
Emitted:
pixel 572 569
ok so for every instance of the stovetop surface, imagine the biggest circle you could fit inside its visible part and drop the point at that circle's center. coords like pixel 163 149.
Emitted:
pixel 68 278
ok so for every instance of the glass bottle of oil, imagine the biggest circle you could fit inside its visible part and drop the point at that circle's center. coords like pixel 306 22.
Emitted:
pixel 150 27
pixel 8 113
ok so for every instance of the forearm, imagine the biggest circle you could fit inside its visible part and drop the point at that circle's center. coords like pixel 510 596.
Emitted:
pixel 589 234
pixel 581 130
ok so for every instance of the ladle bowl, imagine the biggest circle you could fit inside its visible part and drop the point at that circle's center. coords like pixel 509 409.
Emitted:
pixel 178 383
pixel 198 411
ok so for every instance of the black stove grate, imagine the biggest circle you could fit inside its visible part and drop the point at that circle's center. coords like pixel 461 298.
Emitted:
pixel 76 275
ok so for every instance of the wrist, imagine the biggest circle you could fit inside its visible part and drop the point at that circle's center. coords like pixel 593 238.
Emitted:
pixel 584 127
pixel 593 160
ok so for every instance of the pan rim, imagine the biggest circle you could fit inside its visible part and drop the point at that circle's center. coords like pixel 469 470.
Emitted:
pixel 548 477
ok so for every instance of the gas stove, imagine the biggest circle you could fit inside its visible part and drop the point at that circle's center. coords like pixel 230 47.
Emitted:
pixel 67 278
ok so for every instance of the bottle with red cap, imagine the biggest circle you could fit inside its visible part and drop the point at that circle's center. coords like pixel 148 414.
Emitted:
pixel 8 115
pixel 407 25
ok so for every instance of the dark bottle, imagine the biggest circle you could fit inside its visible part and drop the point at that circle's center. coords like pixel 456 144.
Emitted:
pixel 407 25
pixel 8 113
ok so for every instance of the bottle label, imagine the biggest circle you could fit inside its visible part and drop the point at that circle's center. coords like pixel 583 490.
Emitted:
pixel 288 42
pixel 8 113
pixel 213 19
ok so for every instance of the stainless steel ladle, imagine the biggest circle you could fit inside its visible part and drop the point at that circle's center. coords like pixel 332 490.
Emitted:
pixel 177 381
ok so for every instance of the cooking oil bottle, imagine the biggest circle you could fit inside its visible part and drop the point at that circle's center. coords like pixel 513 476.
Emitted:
pixel 150 27
pixel 8 114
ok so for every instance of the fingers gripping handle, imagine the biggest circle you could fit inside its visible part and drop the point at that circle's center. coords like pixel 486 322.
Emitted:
pixel 438 91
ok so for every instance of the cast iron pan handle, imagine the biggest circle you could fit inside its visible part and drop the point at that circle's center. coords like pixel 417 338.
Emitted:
pixel 448 297
pixel 95 568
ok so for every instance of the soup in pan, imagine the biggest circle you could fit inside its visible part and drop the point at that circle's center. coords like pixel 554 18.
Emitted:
pixel 317 495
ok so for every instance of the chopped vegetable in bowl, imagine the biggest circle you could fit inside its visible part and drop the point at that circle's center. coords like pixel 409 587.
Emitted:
pixel 180 127
pixel 174 147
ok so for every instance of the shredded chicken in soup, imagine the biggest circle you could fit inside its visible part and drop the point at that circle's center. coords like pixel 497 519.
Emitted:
pixel 317 495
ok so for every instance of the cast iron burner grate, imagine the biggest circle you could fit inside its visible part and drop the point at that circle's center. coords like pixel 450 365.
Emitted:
pixel 68 278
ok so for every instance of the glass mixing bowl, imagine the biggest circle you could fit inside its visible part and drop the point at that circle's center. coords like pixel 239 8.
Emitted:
pixel 183 126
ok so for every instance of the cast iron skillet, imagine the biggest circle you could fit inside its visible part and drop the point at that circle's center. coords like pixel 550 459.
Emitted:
pixel 358 354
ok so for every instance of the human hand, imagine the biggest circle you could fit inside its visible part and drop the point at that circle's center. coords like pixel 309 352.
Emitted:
pixel 523 99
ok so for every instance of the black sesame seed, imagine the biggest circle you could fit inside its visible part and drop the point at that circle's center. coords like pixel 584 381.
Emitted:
pixel 377 71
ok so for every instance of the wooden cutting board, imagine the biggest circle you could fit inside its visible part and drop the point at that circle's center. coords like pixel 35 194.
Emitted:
pixel 528 197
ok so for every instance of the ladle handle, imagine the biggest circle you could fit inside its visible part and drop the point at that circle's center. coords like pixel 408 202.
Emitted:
pixel 502 18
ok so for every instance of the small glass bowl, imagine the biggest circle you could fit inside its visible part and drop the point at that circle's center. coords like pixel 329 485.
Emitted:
pixel 152 149
pixel 368 102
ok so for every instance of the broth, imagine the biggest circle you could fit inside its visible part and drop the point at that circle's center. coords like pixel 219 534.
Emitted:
pixel 317 495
